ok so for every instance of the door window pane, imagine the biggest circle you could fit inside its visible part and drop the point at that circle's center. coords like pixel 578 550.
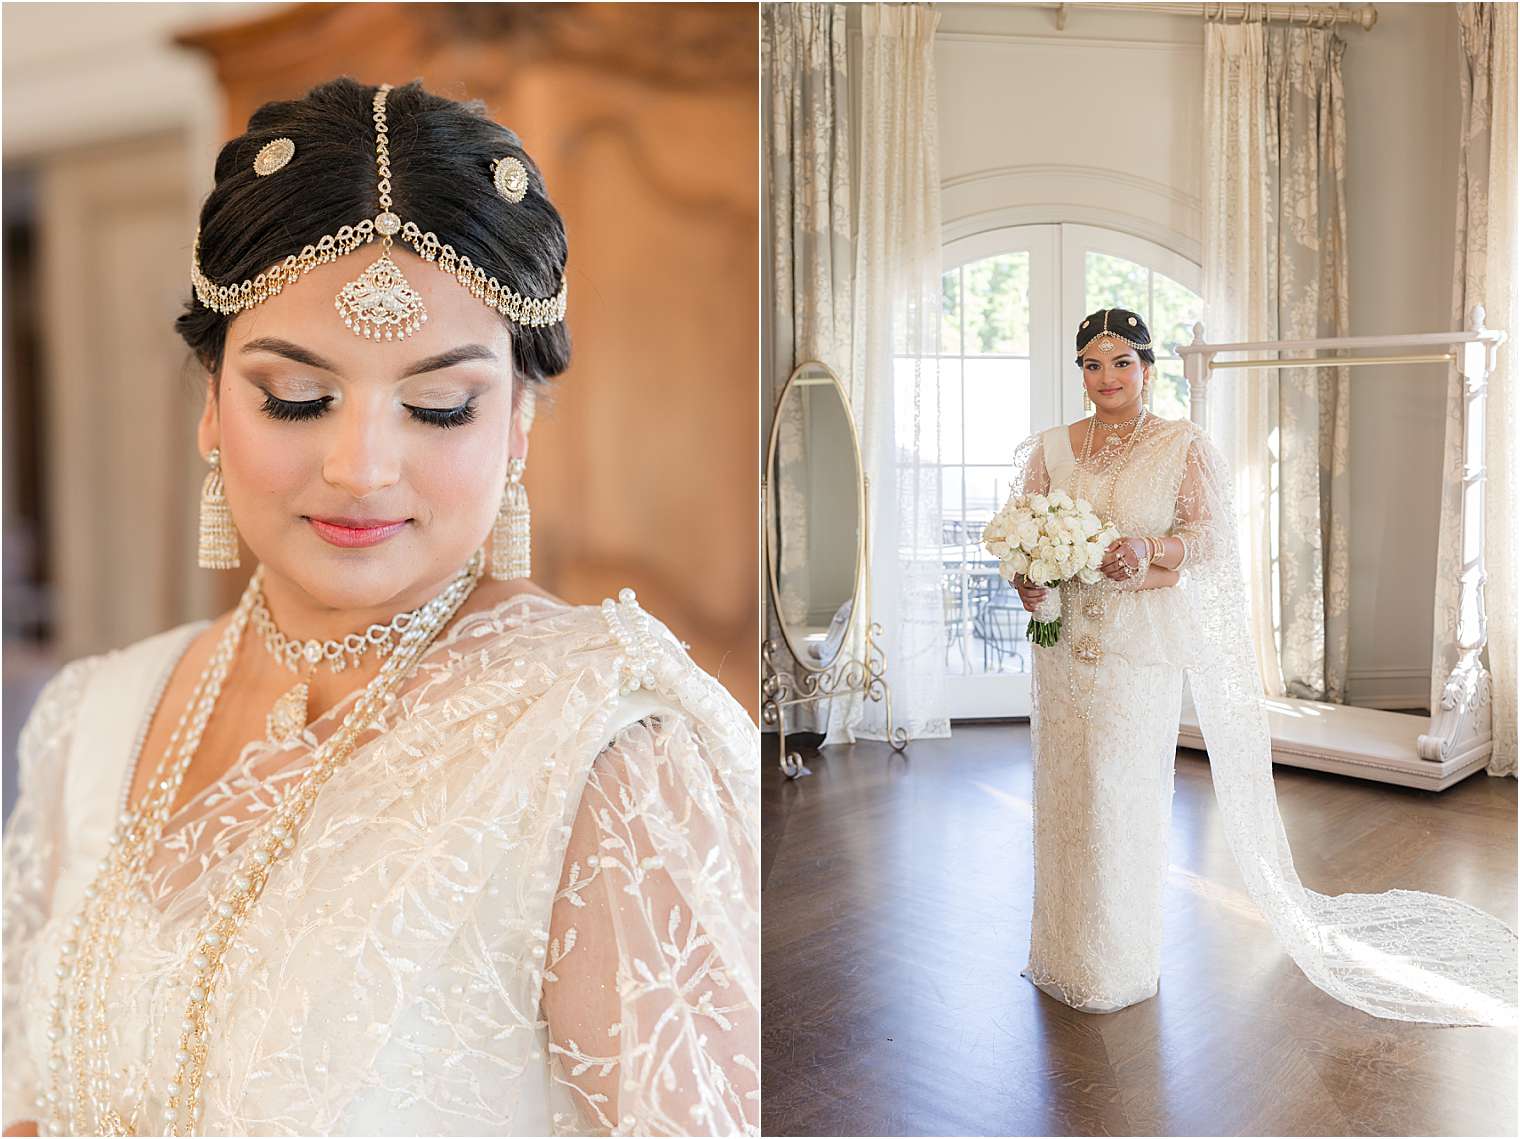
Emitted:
pixel 997 305
pixel 996 408
pixel 1113 282
pixel 984 401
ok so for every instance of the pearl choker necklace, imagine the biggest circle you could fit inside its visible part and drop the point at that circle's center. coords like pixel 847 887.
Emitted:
pixel 288 717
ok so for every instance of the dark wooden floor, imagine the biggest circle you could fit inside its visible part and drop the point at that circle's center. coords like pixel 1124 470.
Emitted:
pixel 896 914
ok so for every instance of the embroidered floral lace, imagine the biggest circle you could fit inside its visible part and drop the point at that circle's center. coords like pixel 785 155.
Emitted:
pixel 530 906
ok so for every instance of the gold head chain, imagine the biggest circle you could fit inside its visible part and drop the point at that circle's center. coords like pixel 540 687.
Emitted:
pixel 380 304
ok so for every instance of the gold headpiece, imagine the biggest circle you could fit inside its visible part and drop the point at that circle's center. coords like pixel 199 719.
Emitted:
pixel 1139 337
pixel 380 304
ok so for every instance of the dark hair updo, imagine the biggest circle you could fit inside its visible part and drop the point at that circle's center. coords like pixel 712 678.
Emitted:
pixel 440 155
pixel 1121 324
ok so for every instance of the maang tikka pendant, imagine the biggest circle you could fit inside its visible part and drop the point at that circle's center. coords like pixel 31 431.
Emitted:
pixel 381 304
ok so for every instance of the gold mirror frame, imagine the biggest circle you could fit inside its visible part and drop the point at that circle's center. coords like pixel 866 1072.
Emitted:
pixel 845 673
pixel 772 517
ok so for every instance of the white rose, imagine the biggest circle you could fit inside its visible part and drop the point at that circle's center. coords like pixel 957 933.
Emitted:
pixel 1039 503
pixel 1060 499
pixel 1019 560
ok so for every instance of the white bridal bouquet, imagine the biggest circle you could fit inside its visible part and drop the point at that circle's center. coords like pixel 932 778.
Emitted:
pixel 1048 538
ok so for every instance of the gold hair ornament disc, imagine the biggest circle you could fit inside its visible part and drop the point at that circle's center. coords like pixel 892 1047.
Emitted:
pixel 511 178
pixel 273 156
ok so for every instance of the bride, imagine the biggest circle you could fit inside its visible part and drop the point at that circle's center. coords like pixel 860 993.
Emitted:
pixel 1107 701
pixel 402 844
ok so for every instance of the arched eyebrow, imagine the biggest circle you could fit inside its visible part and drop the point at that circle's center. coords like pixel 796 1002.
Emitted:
pixel 308 358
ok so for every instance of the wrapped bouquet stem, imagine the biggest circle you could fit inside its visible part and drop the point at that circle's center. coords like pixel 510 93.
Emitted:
pixel 1045 625
pixel 1048 539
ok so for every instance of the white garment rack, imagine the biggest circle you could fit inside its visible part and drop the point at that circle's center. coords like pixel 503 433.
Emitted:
pixel 1391 747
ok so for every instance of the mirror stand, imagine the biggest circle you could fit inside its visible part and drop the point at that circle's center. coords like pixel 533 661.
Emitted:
pixel 866 674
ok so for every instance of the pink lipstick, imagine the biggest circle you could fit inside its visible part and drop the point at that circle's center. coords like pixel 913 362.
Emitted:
pixel 355 533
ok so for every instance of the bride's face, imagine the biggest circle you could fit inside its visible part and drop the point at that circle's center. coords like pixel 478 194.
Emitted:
pixel 363 472
pixel 1113 378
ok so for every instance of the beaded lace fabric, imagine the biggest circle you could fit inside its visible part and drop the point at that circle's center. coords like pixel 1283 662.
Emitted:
pixel 530 905
pixel 1102 800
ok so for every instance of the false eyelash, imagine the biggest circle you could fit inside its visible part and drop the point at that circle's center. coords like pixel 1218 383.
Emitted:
pixel 445 417
pixel 286 409
pixel 296 410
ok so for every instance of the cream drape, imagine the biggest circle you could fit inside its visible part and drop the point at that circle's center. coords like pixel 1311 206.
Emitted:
pixel 810 264
pixel 894 384
pixel 1276 268
pixel 1487 247
pixel 1306 164
pixel 1240 293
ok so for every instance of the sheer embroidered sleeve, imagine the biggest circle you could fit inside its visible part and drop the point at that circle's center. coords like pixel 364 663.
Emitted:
pixel 1201 514
pixel 1030 475
pixel 33 849
pixel 650 990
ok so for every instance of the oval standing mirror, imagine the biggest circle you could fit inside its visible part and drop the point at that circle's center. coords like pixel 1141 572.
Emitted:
pixel 813 513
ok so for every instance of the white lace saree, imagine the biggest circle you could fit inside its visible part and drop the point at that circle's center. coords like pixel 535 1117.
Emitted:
pixel 1102 799
pixel 529 906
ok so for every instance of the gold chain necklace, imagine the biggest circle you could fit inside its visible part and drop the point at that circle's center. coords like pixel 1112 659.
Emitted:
pixel 84 1104
pixel 1088 648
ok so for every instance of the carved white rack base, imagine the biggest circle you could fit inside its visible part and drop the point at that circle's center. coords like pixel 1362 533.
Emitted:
pixel 1369 743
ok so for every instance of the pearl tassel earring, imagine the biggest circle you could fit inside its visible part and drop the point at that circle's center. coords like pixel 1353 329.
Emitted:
pixel 218 538
pixel 511 536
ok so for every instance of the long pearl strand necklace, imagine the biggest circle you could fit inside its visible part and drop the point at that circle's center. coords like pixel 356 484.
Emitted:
pixel 84 1105
pixel 1088 648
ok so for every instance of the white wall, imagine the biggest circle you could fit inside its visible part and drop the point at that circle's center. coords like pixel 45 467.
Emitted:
pixel 1101 123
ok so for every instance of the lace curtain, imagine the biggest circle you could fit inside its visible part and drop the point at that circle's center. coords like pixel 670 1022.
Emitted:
pixel 1306 169
pixel 810 257
pixel 1239 289
pixel 894 386
pixel 1488 247
pixel 1276 267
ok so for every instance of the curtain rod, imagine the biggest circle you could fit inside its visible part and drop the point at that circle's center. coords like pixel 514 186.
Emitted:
pixel 1314 15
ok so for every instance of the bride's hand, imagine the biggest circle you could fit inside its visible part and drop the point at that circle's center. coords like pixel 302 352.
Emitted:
pixel 1121 552
pixel 1029 593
